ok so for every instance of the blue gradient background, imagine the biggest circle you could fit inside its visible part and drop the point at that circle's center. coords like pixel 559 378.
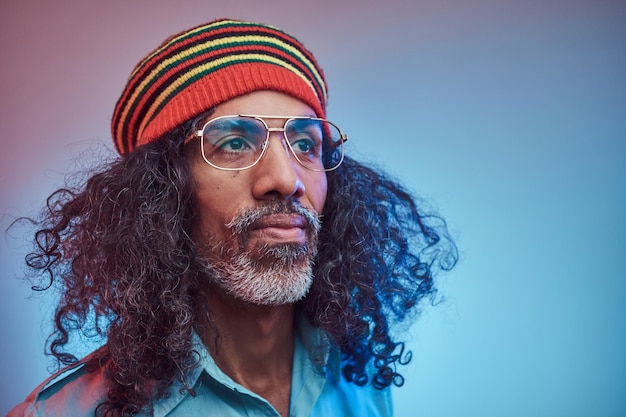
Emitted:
pixel 509 116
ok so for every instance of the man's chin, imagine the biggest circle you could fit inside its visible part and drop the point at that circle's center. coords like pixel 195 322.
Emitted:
pixel 270 284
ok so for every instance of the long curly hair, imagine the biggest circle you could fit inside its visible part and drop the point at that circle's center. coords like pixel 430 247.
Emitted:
pixel 119 248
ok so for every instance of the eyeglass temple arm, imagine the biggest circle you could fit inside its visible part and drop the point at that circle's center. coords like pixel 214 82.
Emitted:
pixel 342 139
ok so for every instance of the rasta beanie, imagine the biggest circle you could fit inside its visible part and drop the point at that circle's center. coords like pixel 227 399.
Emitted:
pixel 198 69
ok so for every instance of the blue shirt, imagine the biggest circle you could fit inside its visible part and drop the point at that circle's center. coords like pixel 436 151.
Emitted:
pixel 318 389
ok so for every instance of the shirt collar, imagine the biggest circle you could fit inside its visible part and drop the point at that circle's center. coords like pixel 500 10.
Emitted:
pixel 315 341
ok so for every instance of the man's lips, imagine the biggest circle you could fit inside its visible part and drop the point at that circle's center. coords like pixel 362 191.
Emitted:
pixel 281 227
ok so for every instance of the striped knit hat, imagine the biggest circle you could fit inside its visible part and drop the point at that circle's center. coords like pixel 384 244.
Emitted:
pixel 195 70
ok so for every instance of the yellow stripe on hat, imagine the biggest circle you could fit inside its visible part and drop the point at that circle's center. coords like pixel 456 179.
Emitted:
pixel 209 67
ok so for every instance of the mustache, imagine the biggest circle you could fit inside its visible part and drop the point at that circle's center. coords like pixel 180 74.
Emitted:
pixel 245 220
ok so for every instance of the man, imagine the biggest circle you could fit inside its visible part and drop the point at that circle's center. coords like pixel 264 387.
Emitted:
pixel 236 261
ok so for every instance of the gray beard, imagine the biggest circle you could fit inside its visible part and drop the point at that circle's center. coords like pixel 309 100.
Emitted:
pixel 282 281
pixel 272 275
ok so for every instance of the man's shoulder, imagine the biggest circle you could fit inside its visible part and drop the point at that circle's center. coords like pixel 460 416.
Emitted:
pixel 72 392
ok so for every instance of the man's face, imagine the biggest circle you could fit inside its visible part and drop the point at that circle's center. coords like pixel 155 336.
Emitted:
pixel 257 228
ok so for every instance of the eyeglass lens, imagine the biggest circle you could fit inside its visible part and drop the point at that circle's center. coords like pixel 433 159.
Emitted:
pixel 237 142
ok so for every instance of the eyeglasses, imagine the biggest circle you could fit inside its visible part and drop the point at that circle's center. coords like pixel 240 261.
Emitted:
pixel 239 142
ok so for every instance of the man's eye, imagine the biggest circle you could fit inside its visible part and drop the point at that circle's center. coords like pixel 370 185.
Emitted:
pixel 305 145
pixel 233 144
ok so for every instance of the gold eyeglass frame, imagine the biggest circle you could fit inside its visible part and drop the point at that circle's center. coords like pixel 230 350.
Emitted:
pixel 342 139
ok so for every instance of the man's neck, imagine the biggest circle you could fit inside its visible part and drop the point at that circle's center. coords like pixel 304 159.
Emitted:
pixel 254 345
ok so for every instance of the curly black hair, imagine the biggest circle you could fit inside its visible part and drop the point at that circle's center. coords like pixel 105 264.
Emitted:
pixel 119 248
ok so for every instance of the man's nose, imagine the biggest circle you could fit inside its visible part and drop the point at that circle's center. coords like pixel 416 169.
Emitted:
pixel 278 173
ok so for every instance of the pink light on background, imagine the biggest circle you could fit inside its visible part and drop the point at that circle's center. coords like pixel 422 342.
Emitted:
pixel 508 116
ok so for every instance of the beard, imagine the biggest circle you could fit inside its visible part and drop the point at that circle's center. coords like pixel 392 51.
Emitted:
pixel 265 274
